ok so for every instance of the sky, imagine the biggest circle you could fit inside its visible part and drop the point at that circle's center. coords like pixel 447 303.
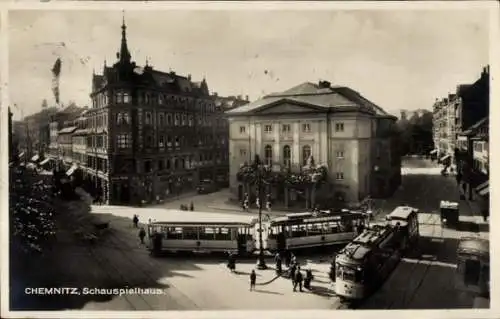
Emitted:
pixel 397 59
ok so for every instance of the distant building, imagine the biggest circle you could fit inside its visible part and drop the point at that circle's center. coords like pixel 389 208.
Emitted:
pixel 456 113
pixel 336 125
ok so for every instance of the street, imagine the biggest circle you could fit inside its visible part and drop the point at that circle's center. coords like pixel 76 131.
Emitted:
pixel 118 260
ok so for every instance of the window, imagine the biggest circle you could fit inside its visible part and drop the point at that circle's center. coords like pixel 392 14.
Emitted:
pixel 339 176
pixel 148 120
pixel 184 119
pixel 306 153
pixel 176 141
pixel 268 128
pixel 190 121
pixel 340 154
pixel 123 140
pixel 169 119
pixel 268 155
pixel 169 141
pixel 285 128
pixel 167 163
pixel 242 129
pixel 161 141
pixel 306 128
pixel 161 120
pixel 287 156
pixel 160 165
pixel 339 127
pixel 243 152
pixel 122 118
pixel 149 141
pixel 176 119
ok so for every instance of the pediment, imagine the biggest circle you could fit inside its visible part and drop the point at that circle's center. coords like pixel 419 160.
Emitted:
pixel 286 108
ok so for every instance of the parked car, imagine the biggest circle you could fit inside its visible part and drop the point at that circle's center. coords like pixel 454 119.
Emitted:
pixel 206 186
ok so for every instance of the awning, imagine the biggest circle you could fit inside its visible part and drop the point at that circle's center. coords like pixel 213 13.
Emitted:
pixel 35 158
pixel 445 157
pixel 483 189
pixel 433 152
pixel 71 170
pixel 45 161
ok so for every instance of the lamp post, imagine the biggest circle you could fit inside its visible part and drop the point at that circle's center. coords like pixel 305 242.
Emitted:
pixel 258 174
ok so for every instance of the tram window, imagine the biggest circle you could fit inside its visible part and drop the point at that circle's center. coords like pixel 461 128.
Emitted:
pixel 222 234
pixel 207 233
pixel 352 275
pixel 314 229
pixel 190 233
pixel 173 233
pixel 273 231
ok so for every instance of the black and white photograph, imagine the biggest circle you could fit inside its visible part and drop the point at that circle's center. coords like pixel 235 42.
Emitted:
pixel 242 158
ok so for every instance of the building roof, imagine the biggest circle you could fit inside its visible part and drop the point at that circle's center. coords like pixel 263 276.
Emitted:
pixel 474 127
pixel 322 96
pixel 67 130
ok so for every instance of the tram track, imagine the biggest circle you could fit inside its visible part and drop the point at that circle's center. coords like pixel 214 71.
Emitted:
pixel 104 265
pixel 138 266
pixel 406 298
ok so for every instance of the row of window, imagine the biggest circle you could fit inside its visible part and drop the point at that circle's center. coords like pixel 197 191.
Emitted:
pixel 287 154
pixel 123 118
pixel 151 98
pixel 286 128
pixel 187 162
pixel 124 141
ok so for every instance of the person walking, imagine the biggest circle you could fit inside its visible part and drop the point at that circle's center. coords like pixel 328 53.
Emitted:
pixel 293 270
pixel 135 220
pixel 298 280
pixel 278 263
pixel 191 206
pixel 253 278
pixel 142 234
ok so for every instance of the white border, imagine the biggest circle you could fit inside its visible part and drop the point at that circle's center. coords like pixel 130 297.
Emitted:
pixel 222 5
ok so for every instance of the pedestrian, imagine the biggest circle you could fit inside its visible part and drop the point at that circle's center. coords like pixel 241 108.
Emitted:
pixel 293 270
pixel 293 259
pixel 298 280
pixel 277 258
pixel 191 206
pixel 308 279
pixel 257 203
pixel 253 278
pixel 142 234
pixel 135 220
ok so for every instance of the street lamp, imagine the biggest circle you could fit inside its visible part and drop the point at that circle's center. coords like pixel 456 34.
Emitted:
pixel 259 174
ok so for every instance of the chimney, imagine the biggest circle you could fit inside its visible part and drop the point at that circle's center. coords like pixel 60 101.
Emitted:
pixel 246 98
pixel 215 94
pixel 189 77
pixel 324 84
pixel 239 97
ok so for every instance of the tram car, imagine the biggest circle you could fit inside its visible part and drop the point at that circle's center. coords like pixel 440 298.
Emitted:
pixel 473 268
pixel 307 230
pixel 366 262
pixel 202 232
pixel 406 218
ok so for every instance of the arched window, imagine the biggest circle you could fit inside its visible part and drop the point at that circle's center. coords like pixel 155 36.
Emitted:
pixel 268 155
pixel 306 153
pixel 287 156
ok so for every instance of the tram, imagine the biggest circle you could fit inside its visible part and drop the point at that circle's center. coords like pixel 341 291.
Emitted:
pixel 366 262
pixel 407 219
pixel 473 269
pixel 203 232
pixel 306 230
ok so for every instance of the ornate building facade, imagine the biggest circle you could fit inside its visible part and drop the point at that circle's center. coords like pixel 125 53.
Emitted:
pixel 152 134
pixel 354 138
